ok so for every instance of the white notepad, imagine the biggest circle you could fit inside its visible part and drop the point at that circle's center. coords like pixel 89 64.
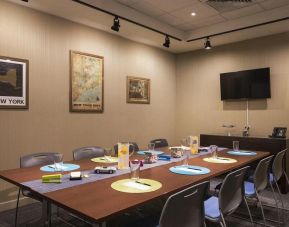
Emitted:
pixel 137 186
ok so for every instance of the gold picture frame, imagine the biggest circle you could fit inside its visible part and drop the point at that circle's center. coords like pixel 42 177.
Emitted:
pixel 14 80
pixel 138 90
pixel 86 82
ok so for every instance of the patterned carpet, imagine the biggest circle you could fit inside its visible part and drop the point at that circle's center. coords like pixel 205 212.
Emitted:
pixel 143 217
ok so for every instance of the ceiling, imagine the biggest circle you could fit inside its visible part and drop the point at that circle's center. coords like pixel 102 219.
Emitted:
pixel 174 18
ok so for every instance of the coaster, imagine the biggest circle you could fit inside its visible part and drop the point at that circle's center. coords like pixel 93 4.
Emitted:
pixel 153 152
pixel 65 167
pixel 139 186
pixel 220 160
pixel 105 160
pixel 189 170
pixel 240 152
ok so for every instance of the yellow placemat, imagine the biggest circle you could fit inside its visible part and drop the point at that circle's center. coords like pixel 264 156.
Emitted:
pixel 220 160
pixel 105 160
pixel 131 186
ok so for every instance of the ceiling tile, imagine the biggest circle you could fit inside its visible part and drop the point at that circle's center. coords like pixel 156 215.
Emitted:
pixel 202 11
pixel 208 21
pixel 186 27
pixel 172 20
pixel 271 4
pixel 246 11
pixel 128 2
pixel 147 9
pixel 170 5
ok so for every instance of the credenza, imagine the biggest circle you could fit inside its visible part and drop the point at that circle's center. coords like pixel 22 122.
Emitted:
pixel 273 145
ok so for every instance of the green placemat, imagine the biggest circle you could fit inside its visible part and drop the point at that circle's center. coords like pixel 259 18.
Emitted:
pixel 140 186
pixel 220 160
pixel 105 160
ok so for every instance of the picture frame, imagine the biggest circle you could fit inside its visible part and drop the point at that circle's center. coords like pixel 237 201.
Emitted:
pixel 86 82
pixel 279 132
pixel 14 83
pixel 138 90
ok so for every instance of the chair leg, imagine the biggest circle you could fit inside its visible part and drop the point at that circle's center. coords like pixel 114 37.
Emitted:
pixel 250 215
pixel 261 206
pixel 16 210
pixel 223 222
pixel 285 174
pixel 282 204
pixel 276 202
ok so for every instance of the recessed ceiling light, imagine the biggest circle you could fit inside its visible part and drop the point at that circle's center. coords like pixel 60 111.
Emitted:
pixel 193 14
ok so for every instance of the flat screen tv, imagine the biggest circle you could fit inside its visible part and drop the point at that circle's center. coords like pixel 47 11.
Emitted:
pixel 247 84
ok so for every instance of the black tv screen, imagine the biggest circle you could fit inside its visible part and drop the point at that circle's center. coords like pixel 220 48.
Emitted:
pixel 247 84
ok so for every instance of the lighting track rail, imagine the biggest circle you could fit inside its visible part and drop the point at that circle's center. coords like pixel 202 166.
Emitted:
pixel 126 19
pixel 239 29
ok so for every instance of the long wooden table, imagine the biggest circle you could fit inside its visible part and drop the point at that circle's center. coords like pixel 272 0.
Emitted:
pixel 97 201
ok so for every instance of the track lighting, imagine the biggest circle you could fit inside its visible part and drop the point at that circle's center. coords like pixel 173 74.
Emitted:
pixel 167 42
pixel 207 44
pixel 116 25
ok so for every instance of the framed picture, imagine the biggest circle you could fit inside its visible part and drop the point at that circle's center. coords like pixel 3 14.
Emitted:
pixel 86 82
pixel 279 132
pixel 138 90
pixel 14 83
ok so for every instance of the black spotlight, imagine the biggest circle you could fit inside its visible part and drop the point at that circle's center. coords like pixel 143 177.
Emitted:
pixel 116 24
pixel 167 42
pixel 24 0
pixel 208 44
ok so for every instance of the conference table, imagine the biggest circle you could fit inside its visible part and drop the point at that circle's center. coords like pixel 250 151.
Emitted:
pixel 97 201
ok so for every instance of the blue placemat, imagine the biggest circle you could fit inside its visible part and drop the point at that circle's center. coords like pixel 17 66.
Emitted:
pixel 153 152
pixel 246 153
pixel 189 170
pixel 65 166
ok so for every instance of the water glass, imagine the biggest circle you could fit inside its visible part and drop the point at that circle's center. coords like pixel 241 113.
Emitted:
pixel 186 153
pixel 107 153
pixel 236 145
pixel 58 162
pixel 134 169
pixel 151 146
pixel 214 149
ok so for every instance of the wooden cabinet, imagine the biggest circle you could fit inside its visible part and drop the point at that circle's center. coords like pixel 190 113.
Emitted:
pixel 272 145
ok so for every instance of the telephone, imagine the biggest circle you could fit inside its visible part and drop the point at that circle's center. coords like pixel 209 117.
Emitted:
pixel 279 132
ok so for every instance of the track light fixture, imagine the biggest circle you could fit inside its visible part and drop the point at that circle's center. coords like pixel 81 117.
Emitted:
pixel 167 42
pixel 207 44
pixel 116 25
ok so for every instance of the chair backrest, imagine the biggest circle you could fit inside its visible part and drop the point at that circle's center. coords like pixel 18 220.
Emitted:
pixel 232 191
pixel 132 147
pixel 39 159
pixel 277 165
pixel 261 175
pixel 160 143
pixel 87 152
pixel 185 208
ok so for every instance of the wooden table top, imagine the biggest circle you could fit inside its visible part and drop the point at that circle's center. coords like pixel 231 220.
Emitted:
pixel 97 201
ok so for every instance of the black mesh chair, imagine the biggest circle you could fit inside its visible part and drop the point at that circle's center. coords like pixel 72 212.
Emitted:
pixel 30 161
pixel 230 197
pixel 87 152
pixel 185 208
pixel 260 182
pixel 133 147
pixel 160 143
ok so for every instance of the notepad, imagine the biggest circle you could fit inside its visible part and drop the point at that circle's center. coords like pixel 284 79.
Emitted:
pixel 137 186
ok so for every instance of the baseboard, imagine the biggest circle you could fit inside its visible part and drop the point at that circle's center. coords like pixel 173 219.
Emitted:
pixel 11 204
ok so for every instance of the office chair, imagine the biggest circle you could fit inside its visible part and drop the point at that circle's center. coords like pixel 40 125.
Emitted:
pixel 30 161
pixel 160 143
pixel 185 208
pixel 87 153
pixel 132 147
pixel 230 197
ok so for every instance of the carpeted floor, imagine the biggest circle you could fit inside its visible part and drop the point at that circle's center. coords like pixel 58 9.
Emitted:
pixel 144 217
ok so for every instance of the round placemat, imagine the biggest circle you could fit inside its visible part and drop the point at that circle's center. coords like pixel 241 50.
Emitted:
pixel 245 153
pixel 220 160
pixel 189 170
pixel 139 186
pixel 153 152
pixel 105 160
pixel 65 167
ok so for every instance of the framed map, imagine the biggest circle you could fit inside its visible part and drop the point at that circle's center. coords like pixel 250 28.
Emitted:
pixel 86 82
pixel 13 83
pixel 138 90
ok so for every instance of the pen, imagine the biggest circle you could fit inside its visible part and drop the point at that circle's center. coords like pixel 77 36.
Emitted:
pixel 194 168
pixel 143 183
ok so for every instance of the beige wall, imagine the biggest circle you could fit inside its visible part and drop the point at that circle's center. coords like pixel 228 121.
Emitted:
pixel 48 125
pixel 199 107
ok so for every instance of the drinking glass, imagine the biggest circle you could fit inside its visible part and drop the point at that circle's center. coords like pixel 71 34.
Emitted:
pixel 134 169
pixel 58 162
pixel 151 146
pixel 186 153
pixel 214 149
pixel 107 153
pixel 236 145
